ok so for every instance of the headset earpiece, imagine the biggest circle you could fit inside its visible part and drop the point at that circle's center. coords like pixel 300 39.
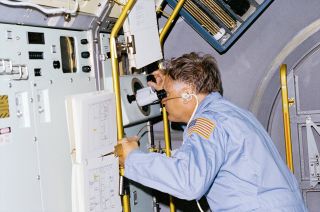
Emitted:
pixel 186 96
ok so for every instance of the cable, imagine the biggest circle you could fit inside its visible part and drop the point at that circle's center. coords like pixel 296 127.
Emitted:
pixel 43 9
pixel 195 109
pixel 142 129
pixel 199 206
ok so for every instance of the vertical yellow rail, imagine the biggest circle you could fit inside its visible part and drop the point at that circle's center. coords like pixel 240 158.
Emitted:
pixel 286 115
pixel 170 21
pixel 167 147
pixel 166 128
pixel 116 85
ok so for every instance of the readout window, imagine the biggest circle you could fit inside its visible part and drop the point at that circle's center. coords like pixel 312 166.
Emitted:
pixel 35 38
pixel 68 54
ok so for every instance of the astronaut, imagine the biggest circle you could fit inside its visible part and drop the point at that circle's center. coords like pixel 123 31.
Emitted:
pixel 226 155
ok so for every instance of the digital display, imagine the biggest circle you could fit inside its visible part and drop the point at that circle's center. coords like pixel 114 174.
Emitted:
pixel 35 38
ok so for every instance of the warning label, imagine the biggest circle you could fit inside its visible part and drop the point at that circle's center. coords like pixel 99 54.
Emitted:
pixel 4 106
pixel 5 135
pixel 5 130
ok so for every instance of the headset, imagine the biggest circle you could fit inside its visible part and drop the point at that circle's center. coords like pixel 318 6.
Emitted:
pixel 187 96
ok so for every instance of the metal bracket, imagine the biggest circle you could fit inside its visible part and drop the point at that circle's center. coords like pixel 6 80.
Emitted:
pixel 19 72
pixel 131 44
pixel 5 66
pixel 313 152
pixel 128 46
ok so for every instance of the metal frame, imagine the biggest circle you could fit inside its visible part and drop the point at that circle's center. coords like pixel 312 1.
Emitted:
pixel 298 122
pixel 221 48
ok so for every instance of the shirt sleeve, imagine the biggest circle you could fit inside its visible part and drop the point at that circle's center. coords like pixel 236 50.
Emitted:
pixel 188 174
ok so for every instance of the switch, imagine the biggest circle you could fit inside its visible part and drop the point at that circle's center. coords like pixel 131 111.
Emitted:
pixel 84 41
pixel 85 54
pixel 9 35
pixel 53 49
pixel 86 69
pixel 37 72
pixel 56 64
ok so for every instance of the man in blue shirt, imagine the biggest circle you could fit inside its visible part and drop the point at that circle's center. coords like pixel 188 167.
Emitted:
pixel 226 154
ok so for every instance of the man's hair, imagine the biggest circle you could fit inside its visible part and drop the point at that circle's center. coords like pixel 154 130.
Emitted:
pixel 201 72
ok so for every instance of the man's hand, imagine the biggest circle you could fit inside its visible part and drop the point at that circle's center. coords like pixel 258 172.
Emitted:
pixel 159 76
pixel 127 145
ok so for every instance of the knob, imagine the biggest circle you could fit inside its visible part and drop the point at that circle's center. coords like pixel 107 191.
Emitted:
pixel 56 64
pixel 85 54
pixel 151 78
pixel 86 69
pixel 131 98
pixel 84 41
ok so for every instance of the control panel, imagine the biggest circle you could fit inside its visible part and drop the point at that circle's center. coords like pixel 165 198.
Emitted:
pixel 30 52
pixel 39 67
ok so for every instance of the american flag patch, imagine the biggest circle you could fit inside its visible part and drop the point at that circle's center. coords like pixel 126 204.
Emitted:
pixel 202 127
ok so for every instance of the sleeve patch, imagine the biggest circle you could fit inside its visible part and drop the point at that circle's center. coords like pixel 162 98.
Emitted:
pixel 201 126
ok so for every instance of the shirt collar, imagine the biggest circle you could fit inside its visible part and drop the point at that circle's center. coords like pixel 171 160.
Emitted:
pixel 211 97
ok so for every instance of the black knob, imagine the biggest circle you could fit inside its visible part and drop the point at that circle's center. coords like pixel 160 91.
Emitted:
pixel 151 78
pixel 56 64
pixel 161 94
pixel 131 98
pixel 86 69
pixel 84 41
pixel 85 54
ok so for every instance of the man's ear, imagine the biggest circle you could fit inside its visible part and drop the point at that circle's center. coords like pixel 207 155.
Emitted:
pixel 187 94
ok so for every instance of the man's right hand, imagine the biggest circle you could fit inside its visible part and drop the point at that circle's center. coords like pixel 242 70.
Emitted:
pixel 125 146
pixel 160 77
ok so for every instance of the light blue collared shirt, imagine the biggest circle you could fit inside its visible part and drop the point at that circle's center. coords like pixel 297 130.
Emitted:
pixel 237 167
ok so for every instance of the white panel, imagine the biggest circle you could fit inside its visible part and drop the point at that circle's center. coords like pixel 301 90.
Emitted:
pixel 142 24
pixel 19 170
pixel 54 147
pixel 87 6
pixel 35 160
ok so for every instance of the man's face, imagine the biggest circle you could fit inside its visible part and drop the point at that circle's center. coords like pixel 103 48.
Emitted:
pixel 179 110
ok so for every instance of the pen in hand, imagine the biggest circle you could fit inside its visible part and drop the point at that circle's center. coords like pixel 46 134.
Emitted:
pixel 117 151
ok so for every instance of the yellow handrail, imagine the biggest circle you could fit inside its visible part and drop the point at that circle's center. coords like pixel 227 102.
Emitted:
pixel 166 132
pixel 170 21
pixel 167 147
pixel 166 128
pixel 116 85
pixel 286 116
